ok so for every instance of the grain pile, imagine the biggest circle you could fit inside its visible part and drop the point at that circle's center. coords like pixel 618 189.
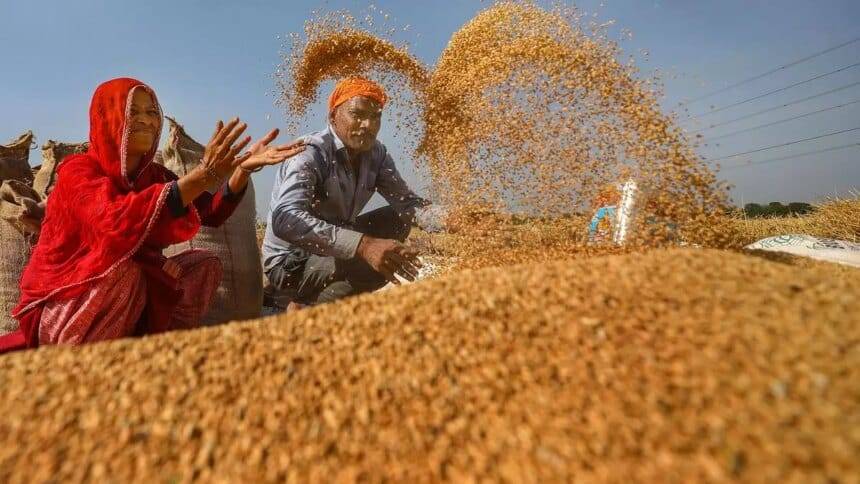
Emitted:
pixel 672 366
pixel 486 239
pixel 506 240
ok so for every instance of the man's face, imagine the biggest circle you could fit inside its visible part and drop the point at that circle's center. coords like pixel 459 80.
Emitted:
pixel 357 122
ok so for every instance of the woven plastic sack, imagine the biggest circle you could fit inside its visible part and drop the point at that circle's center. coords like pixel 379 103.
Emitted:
pixel 830 250
pixel 240 295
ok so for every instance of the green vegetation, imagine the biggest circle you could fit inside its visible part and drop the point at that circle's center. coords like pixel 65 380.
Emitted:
pixel 777 209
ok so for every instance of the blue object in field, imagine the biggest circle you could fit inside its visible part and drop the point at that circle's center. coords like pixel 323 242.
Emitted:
pixel 607 213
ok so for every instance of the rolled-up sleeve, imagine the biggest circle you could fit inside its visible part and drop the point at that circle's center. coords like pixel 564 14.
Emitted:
pixel 293 220
pixel 396 192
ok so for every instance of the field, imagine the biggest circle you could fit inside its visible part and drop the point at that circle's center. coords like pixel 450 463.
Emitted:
pixel 836 219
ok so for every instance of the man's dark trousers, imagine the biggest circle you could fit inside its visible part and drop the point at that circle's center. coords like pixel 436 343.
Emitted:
pixel 325 279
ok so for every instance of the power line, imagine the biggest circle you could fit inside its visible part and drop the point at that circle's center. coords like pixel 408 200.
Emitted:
pixel 783 120
pixel 754 98
pixel 801 155
pixel 786 144
pixel 772 71
pixel 808 98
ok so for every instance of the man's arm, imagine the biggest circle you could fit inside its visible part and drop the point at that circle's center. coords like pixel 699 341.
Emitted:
pixel 292 219
pixel 390 257
pixel 396 192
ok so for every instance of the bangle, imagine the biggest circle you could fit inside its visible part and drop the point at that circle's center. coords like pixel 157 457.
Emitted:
pixel 211 173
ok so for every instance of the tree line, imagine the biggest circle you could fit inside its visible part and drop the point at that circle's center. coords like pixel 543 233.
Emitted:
pixel 777 209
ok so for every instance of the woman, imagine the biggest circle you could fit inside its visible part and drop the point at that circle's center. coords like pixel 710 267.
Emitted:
pixel 98 272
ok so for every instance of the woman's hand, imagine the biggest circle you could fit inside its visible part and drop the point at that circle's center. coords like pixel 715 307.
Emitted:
pixel 261 154
pixel 219 158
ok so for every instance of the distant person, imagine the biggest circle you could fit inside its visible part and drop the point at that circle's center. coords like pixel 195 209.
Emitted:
pixel 317 247
pixel 97 272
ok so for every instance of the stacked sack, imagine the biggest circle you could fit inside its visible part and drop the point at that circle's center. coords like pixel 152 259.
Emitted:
pixel 240 295
pixel 23 191
pixel 52 154
pixel 19 204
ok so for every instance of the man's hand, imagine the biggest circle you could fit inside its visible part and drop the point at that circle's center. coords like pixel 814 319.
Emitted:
pixel 389 257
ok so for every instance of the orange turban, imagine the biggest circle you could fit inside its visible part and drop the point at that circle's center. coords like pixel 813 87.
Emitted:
pixel 350 87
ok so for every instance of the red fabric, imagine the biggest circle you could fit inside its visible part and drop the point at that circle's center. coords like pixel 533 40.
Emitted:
pixel 186 299
pixel 215 209
pixel 116 306
pixel 17 340
pixel 96 217
pixel 162 290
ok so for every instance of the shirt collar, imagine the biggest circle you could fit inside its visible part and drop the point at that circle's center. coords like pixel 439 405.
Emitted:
pixel 340 154
pixel 338 143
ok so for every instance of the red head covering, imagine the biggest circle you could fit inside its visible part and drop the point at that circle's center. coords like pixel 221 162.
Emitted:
pixel 109 112
pixel 96 217
pixel 350 87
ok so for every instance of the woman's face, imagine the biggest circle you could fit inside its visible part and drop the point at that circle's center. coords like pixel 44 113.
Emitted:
pixel 145 123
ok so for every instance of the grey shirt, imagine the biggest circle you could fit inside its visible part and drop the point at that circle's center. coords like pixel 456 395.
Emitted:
pixel 317 197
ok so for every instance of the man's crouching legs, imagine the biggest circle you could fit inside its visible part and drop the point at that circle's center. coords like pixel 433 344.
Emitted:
pixel 326 279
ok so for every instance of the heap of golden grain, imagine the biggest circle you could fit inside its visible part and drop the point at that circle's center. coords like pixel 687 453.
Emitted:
pixel 677 365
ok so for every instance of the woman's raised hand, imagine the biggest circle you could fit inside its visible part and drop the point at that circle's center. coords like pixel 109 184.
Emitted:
pixel 219 158
pixel 261 154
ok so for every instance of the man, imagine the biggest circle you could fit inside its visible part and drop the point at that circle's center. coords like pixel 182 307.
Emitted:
pixel 317 248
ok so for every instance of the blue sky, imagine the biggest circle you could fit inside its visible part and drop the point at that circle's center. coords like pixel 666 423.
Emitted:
pixel 211 59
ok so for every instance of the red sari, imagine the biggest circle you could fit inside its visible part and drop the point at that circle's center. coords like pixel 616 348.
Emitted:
pixel 98 220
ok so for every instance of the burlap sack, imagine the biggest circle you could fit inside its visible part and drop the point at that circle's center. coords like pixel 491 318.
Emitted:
pixel 14 164
pixel 21 206
pixel 20 218
pixel 240 295
pixel 52 154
